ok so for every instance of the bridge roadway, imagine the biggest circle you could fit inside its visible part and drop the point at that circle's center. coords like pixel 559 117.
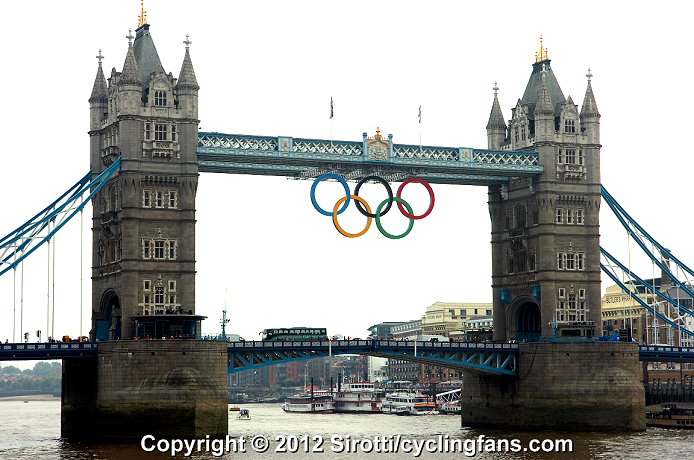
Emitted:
pixel 487 358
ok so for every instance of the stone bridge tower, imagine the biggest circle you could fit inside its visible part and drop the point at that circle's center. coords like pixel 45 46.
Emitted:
pixel 545 230
pixel 143 267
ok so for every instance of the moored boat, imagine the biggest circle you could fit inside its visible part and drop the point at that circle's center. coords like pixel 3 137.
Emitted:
pixel 316 402
pixel 408 403
pixel 671 416
pixel 358 397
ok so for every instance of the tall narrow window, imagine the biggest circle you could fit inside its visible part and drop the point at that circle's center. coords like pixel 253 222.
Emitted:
pixel 580 157
pixel 159 249
pixel 559 157
pixel 511 265
pixel 159 199
pixel 159 295
pixel 521 216
pixel 569 216
pixel 580 261
pixel 160 98
pixel 172 249
pixel 159 132
pixel 172 199
pixel 560 216
pixel 531 263
pixel 148 131
pixel 570 261
pixel 146 199
pixel 146 249
pixel 579 217
pixel 560 261
pixel 173 133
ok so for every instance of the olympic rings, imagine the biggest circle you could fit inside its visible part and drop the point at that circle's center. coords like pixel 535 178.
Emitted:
pixel 388 189
pixel 323 177
pixel 378 218
pixel 431 198
pixel 365 210
pixel 368 219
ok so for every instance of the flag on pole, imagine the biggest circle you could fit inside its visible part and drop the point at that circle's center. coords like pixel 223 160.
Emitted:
pixel 420 114
pixel 331 107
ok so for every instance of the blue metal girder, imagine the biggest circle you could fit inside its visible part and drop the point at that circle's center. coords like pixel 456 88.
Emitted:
pixel 665 353
pixel 308 158
pixel 494 359
pixel 52 350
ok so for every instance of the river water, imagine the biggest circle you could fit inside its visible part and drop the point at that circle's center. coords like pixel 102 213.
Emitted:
pixel 32 431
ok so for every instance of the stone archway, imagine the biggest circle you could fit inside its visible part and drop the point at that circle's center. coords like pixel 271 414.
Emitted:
pixel 528 321
pixel 108 323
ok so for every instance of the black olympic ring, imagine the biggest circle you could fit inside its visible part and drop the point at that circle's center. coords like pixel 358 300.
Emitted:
pixel 381 180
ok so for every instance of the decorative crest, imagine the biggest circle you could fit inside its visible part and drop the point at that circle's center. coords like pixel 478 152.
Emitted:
pixel 378 136
pixel 589 75
pixel 130 37
pixel 99 56
pixel 142 18
pixel 542 54
pixel 496 89
pixel 187 42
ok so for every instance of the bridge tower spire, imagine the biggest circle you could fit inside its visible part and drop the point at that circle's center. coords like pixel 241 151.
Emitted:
pixel 143 267
pixel 545 230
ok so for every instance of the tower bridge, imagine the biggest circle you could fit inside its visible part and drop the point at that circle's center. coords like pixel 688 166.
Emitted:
pixel 542 173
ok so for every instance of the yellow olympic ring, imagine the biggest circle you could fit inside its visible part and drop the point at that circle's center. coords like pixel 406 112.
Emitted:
pixel 368 219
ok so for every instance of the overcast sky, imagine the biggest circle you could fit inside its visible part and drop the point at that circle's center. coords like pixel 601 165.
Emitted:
pixel 270 68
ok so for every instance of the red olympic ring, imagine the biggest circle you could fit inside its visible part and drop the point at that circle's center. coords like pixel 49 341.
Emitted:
pixel 432 199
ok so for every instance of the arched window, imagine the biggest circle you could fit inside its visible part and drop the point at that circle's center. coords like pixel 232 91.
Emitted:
pixel 160 98
pixel 521 216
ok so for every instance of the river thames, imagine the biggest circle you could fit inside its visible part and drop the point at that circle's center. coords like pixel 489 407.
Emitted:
pixel 32 431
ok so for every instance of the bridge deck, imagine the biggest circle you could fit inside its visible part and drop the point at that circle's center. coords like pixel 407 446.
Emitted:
pixel 308 158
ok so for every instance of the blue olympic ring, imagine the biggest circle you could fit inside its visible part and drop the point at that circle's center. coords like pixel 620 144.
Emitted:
pixel 321 178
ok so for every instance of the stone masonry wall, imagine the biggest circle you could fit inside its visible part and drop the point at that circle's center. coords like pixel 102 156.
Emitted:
pixel 561 386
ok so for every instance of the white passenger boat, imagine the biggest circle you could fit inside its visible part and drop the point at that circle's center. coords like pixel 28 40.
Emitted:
pixel 408 403
pixel 358 397
pixel 319 402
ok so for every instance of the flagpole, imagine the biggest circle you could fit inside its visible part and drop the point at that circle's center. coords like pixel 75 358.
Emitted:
pixel 420 128
pixel 331 122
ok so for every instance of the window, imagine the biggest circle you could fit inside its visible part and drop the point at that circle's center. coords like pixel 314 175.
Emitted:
pixel 569 126
pixel 146 249
pixel 160 98
pixel 521 218
pixel 559 157
pixel 571 156
pixel 580 261
pixel 159 295
pixel 511 265
pixel 146 199
pixel 516 133
pixel 536 217
pixel 159 203
pixel 521 264
pixel 560 261
pixel 489 313
pixel 172 249
pixel 146 299
pixel 531 263
pixel 172 199
pixel 581 293
pixel 569 216
pixel 579 217
pixel 172 286
pixel 560 216
pixel 173 133
pixel 172 299
pixel 506 222
pixel 146 285
pixel 562 293
pixel 570 261
pixel 159 132
pixel 580 157
pixel 159 249
pixel 148 131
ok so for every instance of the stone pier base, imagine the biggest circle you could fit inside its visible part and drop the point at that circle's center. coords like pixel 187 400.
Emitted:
pixel 172 389
pixel 561 386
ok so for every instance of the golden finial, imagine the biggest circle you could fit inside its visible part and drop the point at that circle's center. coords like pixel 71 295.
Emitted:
pixel 142 18
pixel 542 54
pixel 378 134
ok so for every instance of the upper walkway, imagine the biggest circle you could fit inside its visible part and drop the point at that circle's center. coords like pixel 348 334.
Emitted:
pixel 308 158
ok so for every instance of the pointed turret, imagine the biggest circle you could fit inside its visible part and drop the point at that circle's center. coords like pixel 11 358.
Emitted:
pixel 131 71
pixel 544 111
pixel 186 79
pixel 590 116
pixel 98 101
pixel 187 85
pixel 496 126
